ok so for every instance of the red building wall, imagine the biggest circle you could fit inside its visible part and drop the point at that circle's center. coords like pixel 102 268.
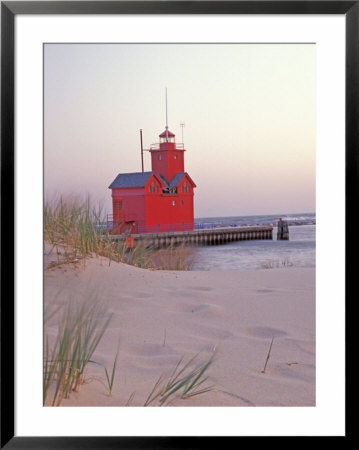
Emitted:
pixel 170 212
pixel 167 160
pixel 132 208
pixel 147 209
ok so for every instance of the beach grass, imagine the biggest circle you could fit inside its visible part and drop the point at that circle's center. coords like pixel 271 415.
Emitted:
pixel 110 378
pixel 268 355
pixel 180 257
pixel 276 264
pixel 81 327
pixel 71 227
pixel 186 380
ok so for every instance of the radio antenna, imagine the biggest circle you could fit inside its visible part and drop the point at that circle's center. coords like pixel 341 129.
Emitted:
pixel 182 124
pixel 166 119
pixel 141 150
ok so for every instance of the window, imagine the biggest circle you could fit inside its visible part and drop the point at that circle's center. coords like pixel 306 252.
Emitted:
pixel 164 139
pixel 185 187
pixel 153 186
pixel 174 203
pixel 175 156
pixel 159 157
pixel 182 202
pixel 117 205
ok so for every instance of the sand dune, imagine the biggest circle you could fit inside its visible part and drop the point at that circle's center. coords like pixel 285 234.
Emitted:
pixel 160 316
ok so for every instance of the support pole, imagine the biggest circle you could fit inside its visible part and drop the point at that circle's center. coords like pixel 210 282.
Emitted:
pixel 141 150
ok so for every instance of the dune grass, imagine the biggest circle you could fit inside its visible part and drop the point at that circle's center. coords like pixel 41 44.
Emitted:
pixel 268 355
pixel 186 380
pixel 71 228
pixel 179 257
pixel 110 378
pixel 81 327
pixel 276 264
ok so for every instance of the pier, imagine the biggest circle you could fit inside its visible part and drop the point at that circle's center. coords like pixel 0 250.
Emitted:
pixel 202 237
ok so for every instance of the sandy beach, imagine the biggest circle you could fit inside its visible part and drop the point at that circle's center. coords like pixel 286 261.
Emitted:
pixel 161 316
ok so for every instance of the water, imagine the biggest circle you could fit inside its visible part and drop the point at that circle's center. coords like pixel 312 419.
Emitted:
pixel 299 251
pixel 292 219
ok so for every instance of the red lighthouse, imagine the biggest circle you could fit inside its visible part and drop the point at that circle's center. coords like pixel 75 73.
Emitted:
pixel 156 201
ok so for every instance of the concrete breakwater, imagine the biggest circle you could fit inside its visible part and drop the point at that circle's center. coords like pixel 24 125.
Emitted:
pixel 216 236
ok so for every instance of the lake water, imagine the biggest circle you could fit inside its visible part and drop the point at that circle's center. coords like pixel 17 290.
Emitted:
pixel 299 251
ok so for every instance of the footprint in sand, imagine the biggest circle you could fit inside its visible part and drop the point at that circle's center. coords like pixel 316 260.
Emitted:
pixel 148 349
pixel 195 308
pixel 210 333
pixel 201 288
pixel 262 332
pixel 129 302
pixel 263 291
pixel 188 290
pixel 142 295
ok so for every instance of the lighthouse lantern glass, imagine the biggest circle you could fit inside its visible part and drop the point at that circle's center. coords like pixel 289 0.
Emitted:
pixel 168 139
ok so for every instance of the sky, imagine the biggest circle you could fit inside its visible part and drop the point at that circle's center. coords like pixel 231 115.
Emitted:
pixel 249 112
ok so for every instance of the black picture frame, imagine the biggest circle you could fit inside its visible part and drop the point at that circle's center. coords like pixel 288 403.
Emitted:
pixel 9 10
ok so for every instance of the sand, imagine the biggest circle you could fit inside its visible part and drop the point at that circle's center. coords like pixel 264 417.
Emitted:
pixel 160 316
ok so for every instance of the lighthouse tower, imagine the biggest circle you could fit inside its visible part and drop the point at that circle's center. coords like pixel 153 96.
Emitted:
pixel 157 201
pixel 167 158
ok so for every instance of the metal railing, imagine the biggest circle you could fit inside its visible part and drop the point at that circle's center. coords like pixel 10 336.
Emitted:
pixel 156 146
pixel 159 228
pixel 109 221
pixel 165 228
pixel 211 225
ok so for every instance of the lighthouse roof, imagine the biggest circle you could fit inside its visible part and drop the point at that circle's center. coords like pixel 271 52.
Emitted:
pixel 163 180
pixel 167 133
pixel 178 177
pixel 127 180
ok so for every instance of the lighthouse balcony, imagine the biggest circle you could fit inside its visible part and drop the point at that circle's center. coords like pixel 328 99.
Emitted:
pixel 174 146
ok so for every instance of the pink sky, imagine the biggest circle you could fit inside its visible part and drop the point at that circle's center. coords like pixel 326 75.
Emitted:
pixel 249 113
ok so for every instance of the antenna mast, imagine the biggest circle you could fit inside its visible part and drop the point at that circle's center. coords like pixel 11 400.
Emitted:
pixel 182 124
pixel 166 119
pixel 141 150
